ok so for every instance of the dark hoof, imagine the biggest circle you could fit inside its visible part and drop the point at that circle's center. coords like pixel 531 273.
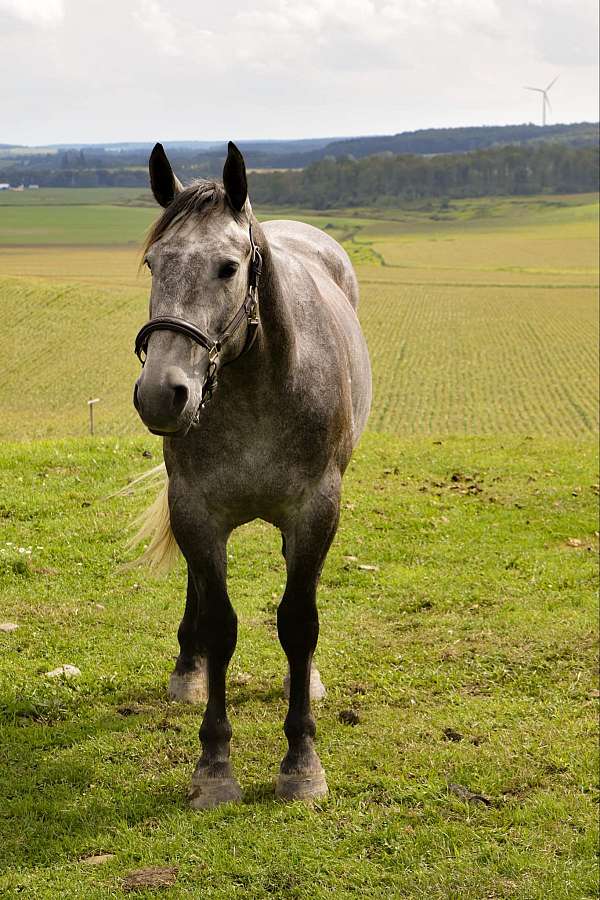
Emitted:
pixel 208 792
pixel 296 786
pixel 190 687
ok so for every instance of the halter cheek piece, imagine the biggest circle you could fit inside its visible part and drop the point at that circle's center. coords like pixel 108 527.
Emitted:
pixel 248 311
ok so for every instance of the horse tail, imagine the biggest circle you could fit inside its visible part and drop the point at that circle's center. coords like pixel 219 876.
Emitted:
pixel 154 525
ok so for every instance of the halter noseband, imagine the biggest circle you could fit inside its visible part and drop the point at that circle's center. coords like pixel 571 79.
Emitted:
pixel 248 311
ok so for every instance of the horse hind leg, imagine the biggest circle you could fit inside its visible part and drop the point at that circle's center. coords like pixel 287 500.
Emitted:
pixel 309 537
pixel 318 691
pixel 189 680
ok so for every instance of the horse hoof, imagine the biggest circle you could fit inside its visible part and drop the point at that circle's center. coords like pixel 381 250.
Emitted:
pixel 208 793
pixel 296 786
pixel 191 687
pixel 317 688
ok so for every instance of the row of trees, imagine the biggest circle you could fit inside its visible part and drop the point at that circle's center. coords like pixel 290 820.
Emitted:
pixel 381 180
pixel 387 179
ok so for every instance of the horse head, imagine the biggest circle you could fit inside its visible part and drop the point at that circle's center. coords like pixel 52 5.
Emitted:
pixel 203 303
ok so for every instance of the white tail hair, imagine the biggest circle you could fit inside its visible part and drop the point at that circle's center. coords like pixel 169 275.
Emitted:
pixel 154 524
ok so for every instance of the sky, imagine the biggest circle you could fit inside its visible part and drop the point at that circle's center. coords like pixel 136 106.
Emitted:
pixel 143 70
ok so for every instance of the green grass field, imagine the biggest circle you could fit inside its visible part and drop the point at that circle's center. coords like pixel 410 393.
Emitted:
pixel 469 653
pixel 478 618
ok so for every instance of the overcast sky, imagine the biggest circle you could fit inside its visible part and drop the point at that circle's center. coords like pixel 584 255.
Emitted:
pixel 145 70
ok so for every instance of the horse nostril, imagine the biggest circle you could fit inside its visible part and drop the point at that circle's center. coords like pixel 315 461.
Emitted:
pixel 181 395
pixel 177 382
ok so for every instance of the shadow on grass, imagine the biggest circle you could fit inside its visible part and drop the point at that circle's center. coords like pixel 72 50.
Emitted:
pixel 70 792
pixel 239 696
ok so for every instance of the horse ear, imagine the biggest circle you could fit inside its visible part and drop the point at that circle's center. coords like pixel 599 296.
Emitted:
pixel 234 178
pixel 162 180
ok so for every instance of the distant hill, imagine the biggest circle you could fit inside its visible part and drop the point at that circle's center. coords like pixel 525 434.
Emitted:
pixel 461 140
pixel 426 142
pixel 126 164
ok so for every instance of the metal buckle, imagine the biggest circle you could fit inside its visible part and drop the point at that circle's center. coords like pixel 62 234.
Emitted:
pixel 252 309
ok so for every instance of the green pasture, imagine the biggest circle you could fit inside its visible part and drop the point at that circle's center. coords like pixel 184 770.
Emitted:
pixel 466 650
pixel 467 654
pixel 76 197
pixel 74 225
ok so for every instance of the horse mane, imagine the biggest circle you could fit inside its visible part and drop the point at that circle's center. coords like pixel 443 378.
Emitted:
pixel 198 199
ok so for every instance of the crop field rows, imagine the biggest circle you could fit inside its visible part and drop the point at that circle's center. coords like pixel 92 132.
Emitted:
pixel 476 325
pixel 445 359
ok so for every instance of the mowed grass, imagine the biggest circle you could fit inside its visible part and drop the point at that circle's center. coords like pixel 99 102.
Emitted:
pixel 468 655
pixel 481 319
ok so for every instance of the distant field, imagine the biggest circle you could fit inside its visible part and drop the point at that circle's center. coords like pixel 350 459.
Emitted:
pixel 481 316
pixel 75 197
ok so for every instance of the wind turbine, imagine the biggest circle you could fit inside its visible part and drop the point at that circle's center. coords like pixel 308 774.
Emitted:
pixel 544 93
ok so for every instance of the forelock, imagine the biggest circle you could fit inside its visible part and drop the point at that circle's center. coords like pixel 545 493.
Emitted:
pixel 199 200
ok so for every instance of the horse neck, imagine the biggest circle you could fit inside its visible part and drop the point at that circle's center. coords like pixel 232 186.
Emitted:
pixel 276 325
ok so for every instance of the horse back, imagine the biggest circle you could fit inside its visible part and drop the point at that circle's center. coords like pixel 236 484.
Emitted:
pixel 322 296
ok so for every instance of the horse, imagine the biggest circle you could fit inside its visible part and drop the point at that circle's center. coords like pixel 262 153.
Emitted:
pixel 256 374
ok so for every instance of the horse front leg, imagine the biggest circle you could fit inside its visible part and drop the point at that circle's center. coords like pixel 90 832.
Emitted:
pixel 317 688
pixel 308 538
pixel 213 781
pixel 189 679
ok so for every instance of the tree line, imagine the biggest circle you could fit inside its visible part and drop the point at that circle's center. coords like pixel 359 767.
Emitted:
pixel 383 179
pixel 387 179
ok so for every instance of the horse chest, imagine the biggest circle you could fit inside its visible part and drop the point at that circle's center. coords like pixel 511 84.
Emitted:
pixel 261 470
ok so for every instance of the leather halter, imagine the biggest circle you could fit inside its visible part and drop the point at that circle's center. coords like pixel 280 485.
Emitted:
pixel 248 311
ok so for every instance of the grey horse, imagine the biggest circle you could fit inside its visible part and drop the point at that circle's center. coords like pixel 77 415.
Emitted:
pixel 256 373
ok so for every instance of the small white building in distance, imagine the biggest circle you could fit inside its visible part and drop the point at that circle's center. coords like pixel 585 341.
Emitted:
pixel 4 187
pixel 34 187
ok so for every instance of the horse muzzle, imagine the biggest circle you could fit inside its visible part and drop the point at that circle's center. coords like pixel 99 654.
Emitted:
pixel 166 404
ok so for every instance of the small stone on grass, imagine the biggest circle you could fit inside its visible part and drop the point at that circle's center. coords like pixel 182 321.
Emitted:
pixel 66 671
pixel 8 626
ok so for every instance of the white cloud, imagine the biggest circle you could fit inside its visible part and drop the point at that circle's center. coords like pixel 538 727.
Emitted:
pixel 159 26
pixel 36 12
pixel 175 69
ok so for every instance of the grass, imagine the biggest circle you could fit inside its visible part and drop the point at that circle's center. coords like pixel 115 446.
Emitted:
pixel 478 618
pixel 87 225
pixel 77 197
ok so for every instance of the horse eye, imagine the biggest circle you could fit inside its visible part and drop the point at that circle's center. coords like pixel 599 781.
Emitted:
pixel 228 270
